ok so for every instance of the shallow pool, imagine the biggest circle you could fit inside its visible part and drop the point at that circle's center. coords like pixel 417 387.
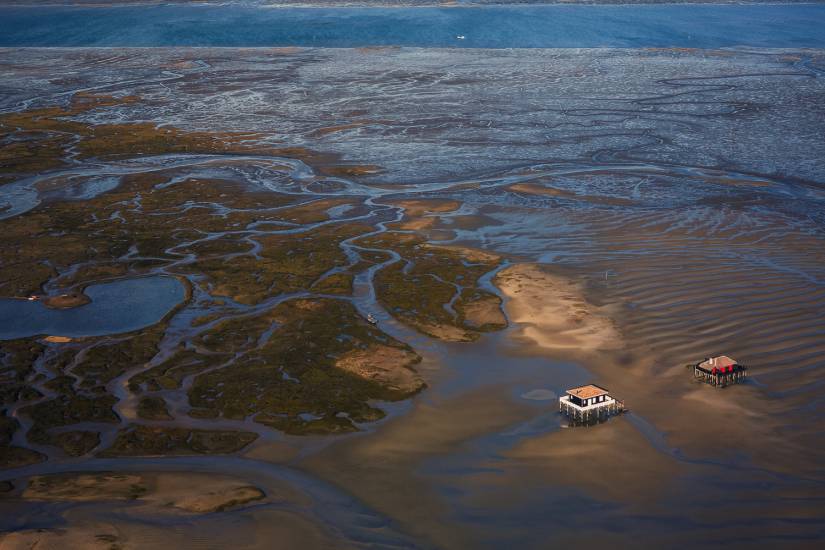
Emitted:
pixel 118 306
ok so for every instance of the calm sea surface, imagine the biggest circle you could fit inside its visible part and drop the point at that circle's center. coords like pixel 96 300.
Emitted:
pixel 583 26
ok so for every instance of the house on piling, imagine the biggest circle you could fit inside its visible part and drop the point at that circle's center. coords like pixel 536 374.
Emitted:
pixel 589 404
pixel 720 371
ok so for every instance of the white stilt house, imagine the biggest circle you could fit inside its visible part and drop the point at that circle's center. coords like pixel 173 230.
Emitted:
pixel 589 403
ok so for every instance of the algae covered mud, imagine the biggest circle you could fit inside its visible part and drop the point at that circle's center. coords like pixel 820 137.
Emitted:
pixel 517 223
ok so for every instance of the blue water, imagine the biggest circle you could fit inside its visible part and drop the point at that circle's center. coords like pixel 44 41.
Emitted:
pixel 119 306
pixel 699 26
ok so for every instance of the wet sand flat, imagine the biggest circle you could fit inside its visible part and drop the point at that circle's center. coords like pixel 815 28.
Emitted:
pixel 135 509
pixel 561 216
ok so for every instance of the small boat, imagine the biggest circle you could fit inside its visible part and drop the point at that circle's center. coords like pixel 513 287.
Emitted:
pixel 461 37
pixel 33 298
pixel 371 319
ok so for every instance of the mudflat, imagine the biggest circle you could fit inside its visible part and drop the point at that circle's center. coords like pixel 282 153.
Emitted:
pixel 393 262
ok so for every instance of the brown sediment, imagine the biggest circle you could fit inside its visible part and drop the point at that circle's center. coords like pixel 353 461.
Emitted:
pixel 349 170
pixel 677 295
pixel 384 468
pixel 170 492
pixel 444 331
pixel 315 211
pixel 146 502
pixel 418 207
pixel 696 306
pixel 84 487
pixel 534 189
pixel 388 366
pixel 66 301
pixel 483 312
pixel 553 313
pixel 57 339
pixel 416 224
pixel 470 254
pixel 611 461
pixel 422 215
pixel 686 298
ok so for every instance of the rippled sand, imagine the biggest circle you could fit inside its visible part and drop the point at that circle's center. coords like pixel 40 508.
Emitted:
pixel 652 208
pixel 553 312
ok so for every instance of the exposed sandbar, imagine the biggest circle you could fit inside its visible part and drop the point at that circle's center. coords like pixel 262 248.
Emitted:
pixel 553 313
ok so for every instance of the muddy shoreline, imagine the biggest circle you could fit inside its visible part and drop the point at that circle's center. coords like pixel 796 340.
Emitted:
pixel 609 236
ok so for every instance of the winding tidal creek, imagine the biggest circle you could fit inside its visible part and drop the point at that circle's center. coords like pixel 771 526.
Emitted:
pixel 342 265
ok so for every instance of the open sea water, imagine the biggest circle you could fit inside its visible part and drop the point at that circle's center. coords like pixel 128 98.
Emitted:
pixel 548 26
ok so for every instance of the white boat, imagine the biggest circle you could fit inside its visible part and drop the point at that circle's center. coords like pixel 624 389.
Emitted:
pixel 371 319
